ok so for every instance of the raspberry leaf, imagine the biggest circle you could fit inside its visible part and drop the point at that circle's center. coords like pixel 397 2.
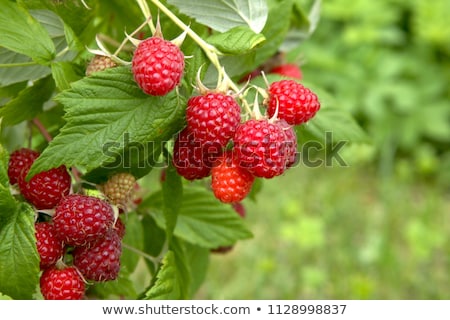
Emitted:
pixel 172 193
pixel 173 278
pixel 338 122
pixel 222 15
pixel 106 116
pixel 28 103
pixel 19 259
pixel 122 286
pixel 23 34
pixel 202 220
pixel 238 40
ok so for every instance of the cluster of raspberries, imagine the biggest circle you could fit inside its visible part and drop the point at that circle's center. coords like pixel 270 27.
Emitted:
pixel 78 228
pixel 215 141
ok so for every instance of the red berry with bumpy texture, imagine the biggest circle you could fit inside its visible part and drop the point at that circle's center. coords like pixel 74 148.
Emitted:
pixel 19 161
pixel 189 157
pixel 261 148
pixel 289 70
pixel 49 246
pixel 213 118
pixel 80 219
pixel 64 284
pixel 120 228
pixel 45 189
pixel 290 142
pixel 230 183
pixel 296 103
pixel 100 260
pixel 157 66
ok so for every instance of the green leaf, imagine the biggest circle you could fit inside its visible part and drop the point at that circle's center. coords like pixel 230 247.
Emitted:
pixel 169 283
pixel 64 73
pixel 19 260
pixel 20 68
pixel 4 297
pixel 172 192
pixel 339 124
pixel 275 30
pixel 107 114
pixel 203 220
pixel 154 240
pixel 134 237
pixel 58 33
pixel 197 259
pixel 118 288
pixel 222 15
pixel 23 34
pixel 238 40
pixel 28 103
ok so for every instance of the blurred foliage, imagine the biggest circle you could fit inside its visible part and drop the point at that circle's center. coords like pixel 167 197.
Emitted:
pixel 387 62
pixel 339 233
pixel 378 228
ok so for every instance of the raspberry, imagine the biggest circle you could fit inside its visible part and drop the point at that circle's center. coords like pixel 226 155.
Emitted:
pixel 80 219
pixel 261 148
pixel 289 70
pixel 99 63
pixel 119 187
pixel 230 183
pixel 45 189
pixel 49 246
pixel 64 284
pixel 119 227
pixel 296 103
pixel 157 66
pixel 213 118
pixel 99 261
pixel 189 157
pixel 20 160
pixel 290 142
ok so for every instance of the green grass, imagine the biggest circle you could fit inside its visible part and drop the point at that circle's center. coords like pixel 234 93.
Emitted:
pixel 339 233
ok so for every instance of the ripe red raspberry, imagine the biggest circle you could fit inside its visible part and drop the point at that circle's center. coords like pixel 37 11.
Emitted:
pixel 289 70
pixel 189 157
pixel 49 246
pixel 80 219
pixel 290 142
pixel 118 189
pixel 20 160
pixel 99 63
pixel 62 284
pixel 296 103
pixel 45 189
pixel 157 66
pixel 213 118
pixel 261 148
pixel 230 183
pixel 100 260
pixel 120 228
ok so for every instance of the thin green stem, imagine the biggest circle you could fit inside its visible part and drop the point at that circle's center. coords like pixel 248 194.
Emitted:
pixel 154 260
pixel 210 51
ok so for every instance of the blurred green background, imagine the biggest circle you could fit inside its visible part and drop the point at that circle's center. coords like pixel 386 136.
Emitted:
pixel 378 228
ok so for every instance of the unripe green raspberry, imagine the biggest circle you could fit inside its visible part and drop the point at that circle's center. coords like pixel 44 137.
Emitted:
pixel 119 188
pixel 99 63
